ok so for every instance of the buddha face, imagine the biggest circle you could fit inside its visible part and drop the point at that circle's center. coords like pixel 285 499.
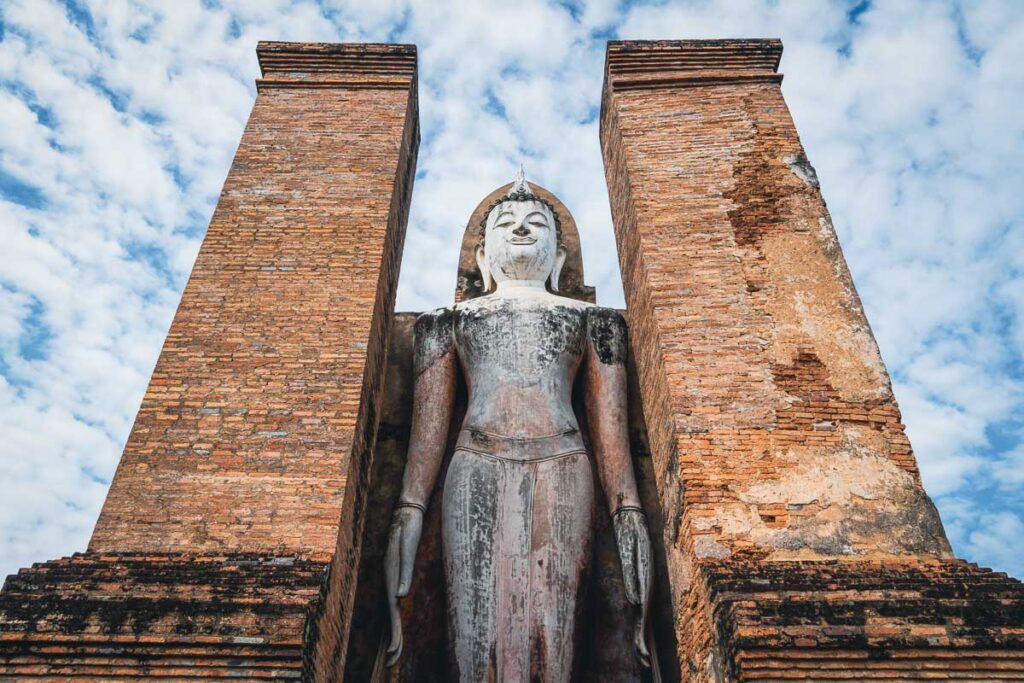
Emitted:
pixel 520 242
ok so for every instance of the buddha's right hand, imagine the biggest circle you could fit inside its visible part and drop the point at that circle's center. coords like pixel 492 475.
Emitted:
pixel 403 540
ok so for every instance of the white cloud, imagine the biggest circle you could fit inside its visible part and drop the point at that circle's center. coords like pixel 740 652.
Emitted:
pixel 997 538
pixel 911 115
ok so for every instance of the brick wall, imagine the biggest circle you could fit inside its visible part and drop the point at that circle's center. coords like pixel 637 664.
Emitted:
pixel 774 432
pixel 826 620
pixel 243 439
pixel 132 616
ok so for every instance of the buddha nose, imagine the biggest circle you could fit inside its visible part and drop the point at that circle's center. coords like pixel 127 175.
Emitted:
pixel 521 231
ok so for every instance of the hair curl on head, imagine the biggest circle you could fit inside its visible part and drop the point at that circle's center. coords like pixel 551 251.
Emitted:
pixel 521 196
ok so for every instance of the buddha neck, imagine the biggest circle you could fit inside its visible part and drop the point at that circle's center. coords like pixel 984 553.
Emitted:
pixel 520 288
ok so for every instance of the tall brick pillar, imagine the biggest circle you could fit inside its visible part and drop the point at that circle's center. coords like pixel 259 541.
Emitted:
pixel 799 540
pixel 244 473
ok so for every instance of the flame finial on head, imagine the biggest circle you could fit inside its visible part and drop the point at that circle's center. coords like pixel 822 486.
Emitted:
pixel 521 189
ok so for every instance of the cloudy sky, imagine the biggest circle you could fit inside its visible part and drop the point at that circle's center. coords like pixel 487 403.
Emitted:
pixel 119 119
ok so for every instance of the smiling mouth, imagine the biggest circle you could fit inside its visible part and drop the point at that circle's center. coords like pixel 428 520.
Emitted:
pixel 522 240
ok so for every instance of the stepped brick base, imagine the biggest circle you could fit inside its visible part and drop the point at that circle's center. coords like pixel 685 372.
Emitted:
pixel 180 617
pixel 853 621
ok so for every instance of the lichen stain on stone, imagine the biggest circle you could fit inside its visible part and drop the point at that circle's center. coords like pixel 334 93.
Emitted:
pixel 811 307
pixel 433 338
pixel 847 500
pixel 522 339
pixel 607 329
pixel 801 166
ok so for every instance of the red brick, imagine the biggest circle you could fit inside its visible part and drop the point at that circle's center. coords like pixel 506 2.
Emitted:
pixel 286 315
pixel 772 425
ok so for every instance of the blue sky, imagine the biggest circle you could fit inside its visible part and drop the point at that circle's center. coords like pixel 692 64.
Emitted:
pixel 119 119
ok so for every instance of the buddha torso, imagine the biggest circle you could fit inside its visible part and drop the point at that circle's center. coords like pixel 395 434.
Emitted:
pixel 520 356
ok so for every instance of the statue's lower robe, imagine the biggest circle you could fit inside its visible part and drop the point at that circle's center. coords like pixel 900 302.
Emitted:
pixel 517 528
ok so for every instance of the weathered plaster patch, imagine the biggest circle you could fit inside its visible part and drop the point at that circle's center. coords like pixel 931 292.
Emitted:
pixel 861 468
pixel 713 666
pixel 802 168
pixel 706 547
pixel 850 499
pixel 813 307
pixel 703 523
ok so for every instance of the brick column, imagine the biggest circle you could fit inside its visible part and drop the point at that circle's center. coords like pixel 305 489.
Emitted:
pixel 773 427
pixel 266 384
pixel 245 474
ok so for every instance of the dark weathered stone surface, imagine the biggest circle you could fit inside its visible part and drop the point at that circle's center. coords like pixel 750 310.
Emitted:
pixel 132 615
pixel 607 329
pixel 607 653
pixel 518 497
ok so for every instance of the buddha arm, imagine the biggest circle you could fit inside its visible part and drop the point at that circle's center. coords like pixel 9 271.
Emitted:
pixel 605 402
pixel 433 396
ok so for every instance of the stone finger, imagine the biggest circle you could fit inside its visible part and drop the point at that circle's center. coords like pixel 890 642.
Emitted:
pixel 394 651
pixel 406 557
pixel 629 575
pixel 392 567
pixel 642 653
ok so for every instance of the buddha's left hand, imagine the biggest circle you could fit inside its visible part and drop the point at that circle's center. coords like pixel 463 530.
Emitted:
pixel 634 545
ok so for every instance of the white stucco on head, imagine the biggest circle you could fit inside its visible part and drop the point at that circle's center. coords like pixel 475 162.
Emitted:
pixel 520 241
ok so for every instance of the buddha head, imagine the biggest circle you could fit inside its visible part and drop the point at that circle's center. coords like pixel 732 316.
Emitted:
pixel 520 239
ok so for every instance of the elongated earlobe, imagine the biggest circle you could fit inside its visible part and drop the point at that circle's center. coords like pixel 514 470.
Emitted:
pixel 556 272
pixel 485 272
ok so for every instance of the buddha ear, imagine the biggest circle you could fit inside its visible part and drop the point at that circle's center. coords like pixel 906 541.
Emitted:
pixel 485 271
pixel 556 272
